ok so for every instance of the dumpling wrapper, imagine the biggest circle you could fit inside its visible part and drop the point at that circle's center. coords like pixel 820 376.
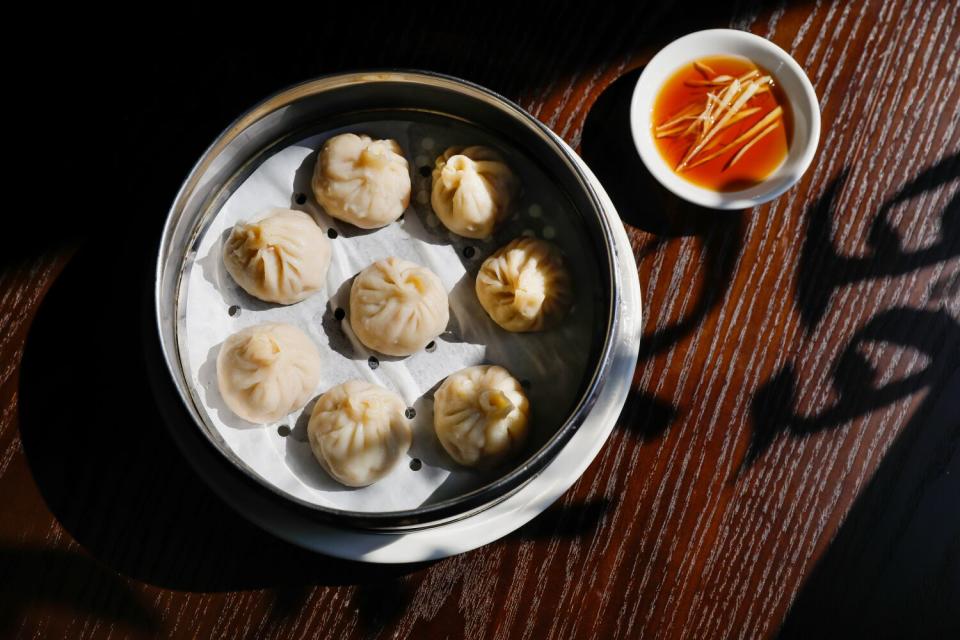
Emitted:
pixel 267 371
pixel 397 307
pixel 358 432
pixel 525 285
pixel 481 415
pixel 282 258
pixel 473 190
pixel 362 181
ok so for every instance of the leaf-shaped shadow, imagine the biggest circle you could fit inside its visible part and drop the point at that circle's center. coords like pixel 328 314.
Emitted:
pixel 933 333
pixel 822 269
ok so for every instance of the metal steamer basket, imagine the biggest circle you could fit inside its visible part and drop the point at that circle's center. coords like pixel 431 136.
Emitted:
pixel 352 102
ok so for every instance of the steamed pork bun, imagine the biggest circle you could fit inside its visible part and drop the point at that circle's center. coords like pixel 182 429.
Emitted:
pixel 358 431
pixel 267 371
pixel 281 258
pixel 473 190
pixel 525 286
pixel 397 307
pixel 362 181
pixel 481 415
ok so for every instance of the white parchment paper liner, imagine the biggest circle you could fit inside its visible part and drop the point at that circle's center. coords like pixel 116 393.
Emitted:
pixel 553 363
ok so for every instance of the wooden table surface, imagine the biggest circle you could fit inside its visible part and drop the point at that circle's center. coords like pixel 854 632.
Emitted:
pixel 789 459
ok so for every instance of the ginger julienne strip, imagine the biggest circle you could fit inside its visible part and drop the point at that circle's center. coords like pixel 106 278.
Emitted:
pixel 775 114
pixel 747 146
pixel 742 97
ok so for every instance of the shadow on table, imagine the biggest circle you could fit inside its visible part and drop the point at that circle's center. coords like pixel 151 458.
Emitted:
pixel 893 569
pixel 607 147
pixel 824 270
pixel 859 387
pixel 63 580
pixel 106 465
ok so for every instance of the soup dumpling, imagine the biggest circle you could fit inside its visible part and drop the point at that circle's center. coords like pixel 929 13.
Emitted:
pixel 358 432
pixel 481 415
pixel 266 371
pixel 525 285
pixel 282 258
pixel 473 190
pixel 362 181
pixel 397 307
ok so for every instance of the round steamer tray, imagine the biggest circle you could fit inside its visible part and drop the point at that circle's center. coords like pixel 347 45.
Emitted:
pixel 452 538
pixel 544 481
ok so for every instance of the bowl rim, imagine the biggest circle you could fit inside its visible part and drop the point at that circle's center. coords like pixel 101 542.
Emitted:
pixel 496 490
pixel 672 57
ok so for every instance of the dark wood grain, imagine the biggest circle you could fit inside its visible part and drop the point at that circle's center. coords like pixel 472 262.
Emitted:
pixel 788 459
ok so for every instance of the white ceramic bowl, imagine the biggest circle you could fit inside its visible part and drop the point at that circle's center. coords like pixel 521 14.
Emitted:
pixel 788 75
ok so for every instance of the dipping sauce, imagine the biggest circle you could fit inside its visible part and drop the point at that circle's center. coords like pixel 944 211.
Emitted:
pixel 722 123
